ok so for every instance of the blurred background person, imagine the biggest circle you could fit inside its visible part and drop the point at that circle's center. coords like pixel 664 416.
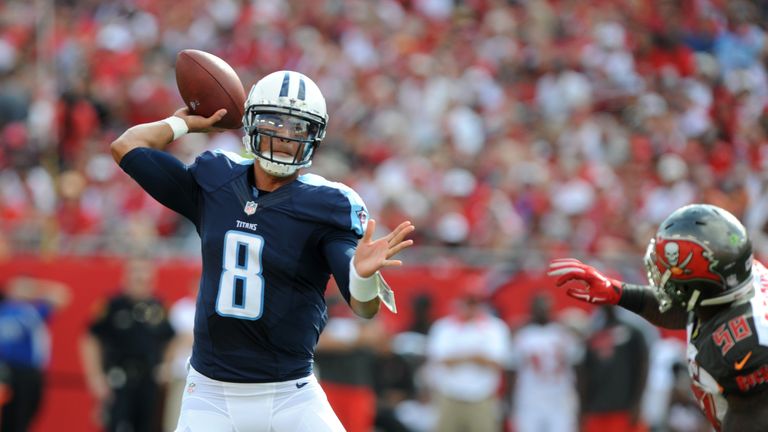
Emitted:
pixel 543 357
pixel 182 318
pixel 394 383
pixel 613 375
pixel 346 361
pixel 467 352
pixel 405 399
pixel 26 306
pixel 124 348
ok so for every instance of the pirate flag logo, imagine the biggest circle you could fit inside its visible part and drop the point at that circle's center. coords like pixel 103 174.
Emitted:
pixel 686 260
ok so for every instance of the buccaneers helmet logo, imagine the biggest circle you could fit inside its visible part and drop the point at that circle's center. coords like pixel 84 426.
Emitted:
pixel 686 260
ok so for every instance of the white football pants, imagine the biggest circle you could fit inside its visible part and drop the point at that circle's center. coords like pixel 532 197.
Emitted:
pixel 290 406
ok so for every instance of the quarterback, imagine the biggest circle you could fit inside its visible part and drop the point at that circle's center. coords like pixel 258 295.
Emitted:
pixel 703 278
pixel 271 237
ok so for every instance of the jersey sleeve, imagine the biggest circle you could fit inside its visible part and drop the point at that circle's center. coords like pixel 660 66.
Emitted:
pixel 165 178
pixel 45 309
pixel 339 248
pixel 100 325
pixel 165 331
pixel 745 371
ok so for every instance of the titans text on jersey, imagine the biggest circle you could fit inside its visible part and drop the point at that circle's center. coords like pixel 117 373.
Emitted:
pixel 266 258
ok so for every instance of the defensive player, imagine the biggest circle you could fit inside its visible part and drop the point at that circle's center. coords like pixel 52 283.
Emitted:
pixel 271 238
pixel 703 278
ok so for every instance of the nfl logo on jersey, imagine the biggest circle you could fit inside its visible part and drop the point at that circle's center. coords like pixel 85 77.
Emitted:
pixel 250 208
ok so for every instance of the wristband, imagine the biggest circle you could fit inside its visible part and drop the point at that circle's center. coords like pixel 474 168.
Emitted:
pixel 634 297
pixel 360 288
pixel 177 125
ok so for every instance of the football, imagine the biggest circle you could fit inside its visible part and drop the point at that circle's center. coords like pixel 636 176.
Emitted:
pixel 207 84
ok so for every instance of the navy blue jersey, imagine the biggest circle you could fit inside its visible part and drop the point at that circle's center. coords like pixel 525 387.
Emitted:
pixel 267 259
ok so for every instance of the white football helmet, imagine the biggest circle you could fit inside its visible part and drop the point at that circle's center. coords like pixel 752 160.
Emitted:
pixel 289 106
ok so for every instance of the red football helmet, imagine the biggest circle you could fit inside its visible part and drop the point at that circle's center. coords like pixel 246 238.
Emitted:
pixel 701 256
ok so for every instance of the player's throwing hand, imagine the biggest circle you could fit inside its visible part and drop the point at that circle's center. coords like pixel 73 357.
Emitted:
pixel 197 123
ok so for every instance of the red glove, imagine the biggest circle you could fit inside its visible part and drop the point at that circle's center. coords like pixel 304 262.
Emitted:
pixel 594 288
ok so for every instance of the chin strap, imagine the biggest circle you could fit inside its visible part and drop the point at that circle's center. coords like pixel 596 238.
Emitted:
pixel 741 292
pixel 278 169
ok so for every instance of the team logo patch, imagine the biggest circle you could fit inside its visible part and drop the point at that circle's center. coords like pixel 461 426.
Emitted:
pixel 191 388
pixel 363 216
pixel 250 208
pixel 686 260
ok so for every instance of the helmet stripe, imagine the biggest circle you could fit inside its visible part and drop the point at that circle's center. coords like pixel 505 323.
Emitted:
pixel 302 90
pixel 286 82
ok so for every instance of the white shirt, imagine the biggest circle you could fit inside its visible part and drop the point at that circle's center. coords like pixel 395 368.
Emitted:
pixel 182 319
pixel 451 337
pixel 543 356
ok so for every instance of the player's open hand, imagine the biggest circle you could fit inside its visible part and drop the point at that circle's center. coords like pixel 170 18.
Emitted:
pixel 197 123
pixel 372 255
pixel 592 287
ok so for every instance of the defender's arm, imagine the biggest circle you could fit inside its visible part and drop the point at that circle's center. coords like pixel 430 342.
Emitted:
pixel 593 287
pixel 641 300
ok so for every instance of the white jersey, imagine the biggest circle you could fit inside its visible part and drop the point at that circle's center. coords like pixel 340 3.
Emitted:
pixel 543 357
pixel 450 337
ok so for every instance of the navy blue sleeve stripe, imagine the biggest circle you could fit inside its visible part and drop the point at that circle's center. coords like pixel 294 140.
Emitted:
pixel 286 82
pixel 302 90
pixel 165 178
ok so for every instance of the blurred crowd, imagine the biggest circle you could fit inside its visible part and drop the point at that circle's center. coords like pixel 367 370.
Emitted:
pixel 558 124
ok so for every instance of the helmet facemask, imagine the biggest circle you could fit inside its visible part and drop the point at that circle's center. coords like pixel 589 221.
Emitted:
pixel 657 279
pixel 263 131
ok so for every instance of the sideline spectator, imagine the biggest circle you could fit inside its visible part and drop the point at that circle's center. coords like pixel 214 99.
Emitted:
pixel 467 351
pixel 544 354
pixel 27 306
pixel 123 350
pixel 613 375
pixel 182 319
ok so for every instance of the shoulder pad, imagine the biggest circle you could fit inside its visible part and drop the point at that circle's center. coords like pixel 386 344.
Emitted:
pixel 332 203
pixel 213 169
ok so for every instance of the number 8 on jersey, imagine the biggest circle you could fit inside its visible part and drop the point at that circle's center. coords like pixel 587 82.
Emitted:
pixel 241 287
